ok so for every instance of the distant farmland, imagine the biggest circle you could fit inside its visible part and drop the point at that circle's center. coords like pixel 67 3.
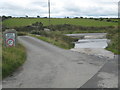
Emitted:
pixel 17 22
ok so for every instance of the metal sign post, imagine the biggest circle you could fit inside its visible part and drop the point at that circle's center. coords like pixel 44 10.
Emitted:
pixel 10 37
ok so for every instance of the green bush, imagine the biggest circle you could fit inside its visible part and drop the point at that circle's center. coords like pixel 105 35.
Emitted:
pixel 35 26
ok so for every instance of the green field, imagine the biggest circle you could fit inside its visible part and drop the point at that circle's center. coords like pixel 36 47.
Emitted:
pixel 17 22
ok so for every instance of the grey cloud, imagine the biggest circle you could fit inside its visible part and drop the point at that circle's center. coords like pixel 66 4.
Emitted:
pixel 90 11
pixel 38 3
pixel 14 10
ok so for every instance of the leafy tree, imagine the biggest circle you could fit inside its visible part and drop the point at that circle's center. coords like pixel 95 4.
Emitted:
pixel 26 16
pixel 81 17
pixel 38 16
pixel 5 17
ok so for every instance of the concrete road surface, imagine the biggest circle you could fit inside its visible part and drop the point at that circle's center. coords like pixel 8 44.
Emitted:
pixel 107 77
pixel 48 66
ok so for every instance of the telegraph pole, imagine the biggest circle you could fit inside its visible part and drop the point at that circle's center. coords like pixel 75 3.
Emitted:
pixel 49 10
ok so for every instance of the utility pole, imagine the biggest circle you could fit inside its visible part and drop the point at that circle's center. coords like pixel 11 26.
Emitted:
pixel 49 10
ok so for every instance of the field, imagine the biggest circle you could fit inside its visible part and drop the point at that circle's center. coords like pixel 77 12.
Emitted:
pixel 17 22
pixel 88 25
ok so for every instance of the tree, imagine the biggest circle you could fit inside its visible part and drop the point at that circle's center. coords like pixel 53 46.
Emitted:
pixel 26 16
pixel 9 16
pixel 81 17
pixel 38 16
pixel 6 17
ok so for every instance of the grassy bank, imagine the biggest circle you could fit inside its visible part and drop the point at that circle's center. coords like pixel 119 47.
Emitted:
pixel 56 39
pixel 114 45
pixel 12 58
pixel 0 56
pixel 0 62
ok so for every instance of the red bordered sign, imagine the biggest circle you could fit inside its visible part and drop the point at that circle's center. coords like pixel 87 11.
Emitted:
pixel 10 42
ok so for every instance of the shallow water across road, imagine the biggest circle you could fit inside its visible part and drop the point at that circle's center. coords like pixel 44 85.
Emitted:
pixel 90 40
pixel 91 43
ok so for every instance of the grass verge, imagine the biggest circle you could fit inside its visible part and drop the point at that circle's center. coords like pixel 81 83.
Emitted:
pixel 12 58
pixel 22 33
pixel 114 45
pixel 59 40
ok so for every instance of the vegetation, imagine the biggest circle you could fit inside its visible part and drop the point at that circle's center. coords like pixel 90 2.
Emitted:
pixel 6 17
pixel 0 63
pixel 12 58
pixel 114 45
pixel 63 28
pixel 0 56
pixel 21 33
pixel 54 38
pixel 18 22
pixel 67 25
pixel 68 28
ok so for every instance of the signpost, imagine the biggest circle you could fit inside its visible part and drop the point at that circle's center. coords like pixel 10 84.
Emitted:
pixel 10 37
pixel 10 42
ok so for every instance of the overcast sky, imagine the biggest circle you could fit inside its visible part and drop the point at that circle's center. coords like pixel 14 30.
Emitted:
pixel 60 8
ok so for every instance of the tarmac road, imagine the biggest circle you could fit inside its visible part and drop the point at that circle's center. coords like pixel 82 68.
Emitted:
pixel 48 66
